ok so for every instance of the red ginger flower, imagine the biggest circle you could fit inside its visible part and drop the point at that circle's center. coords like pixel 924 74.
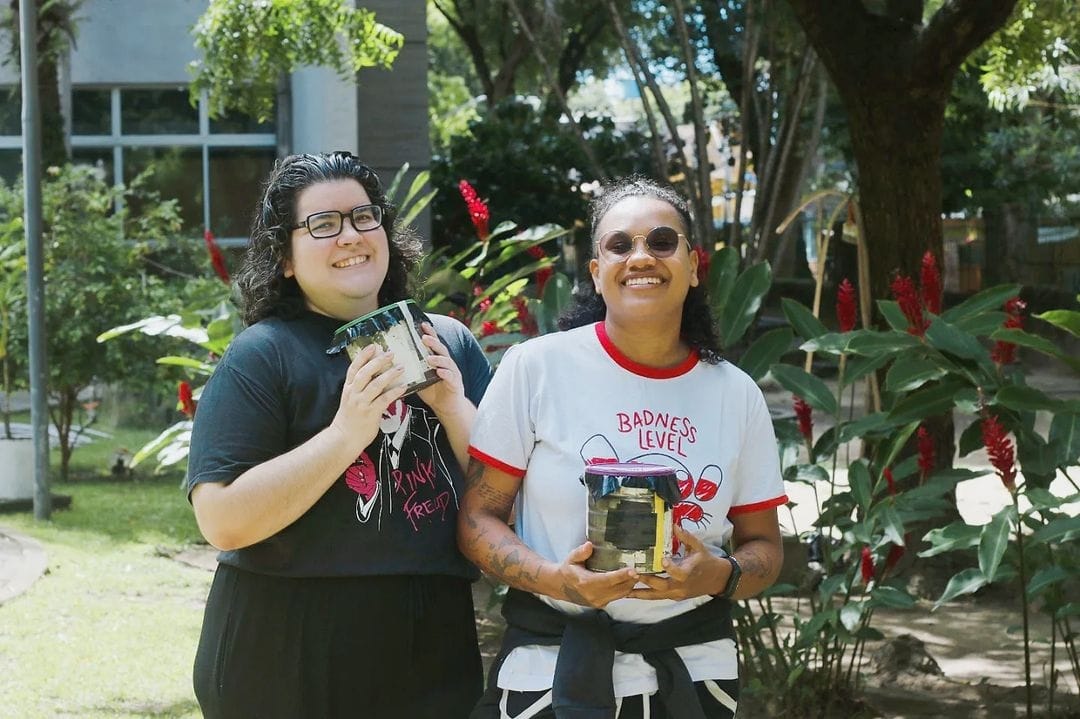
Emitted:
pixel 1003 352
pixel 489 328
pixel 903 290
pixel 702 264
pixel 930 278
pixel 895 553
pixel 536 252
pixel 845 306
pixel 926 451
pixel 1000 450
pixel 216 258
pixel 542 276
pixel 478 210
pixel 525 319
pixel 866 566
pixel 187 400
pixel 806 422
pixel 890 481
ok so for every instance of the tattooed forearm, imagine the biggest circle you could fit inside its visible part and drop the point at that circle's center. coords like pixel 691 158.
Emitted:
pixel 484 535
pixel 760 560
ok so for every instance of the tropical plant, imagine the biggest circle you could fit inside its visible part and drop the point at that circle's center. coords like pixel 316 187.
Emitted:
pixel 933 360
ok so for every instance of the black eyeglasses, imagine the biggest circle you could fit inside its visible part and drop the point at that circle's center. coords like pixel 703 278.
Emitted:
pixel 661 242
pixel 327 224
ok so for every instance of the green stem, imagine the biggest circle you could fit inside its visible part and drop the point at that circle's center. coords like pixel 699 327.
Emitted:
pixel 1024 600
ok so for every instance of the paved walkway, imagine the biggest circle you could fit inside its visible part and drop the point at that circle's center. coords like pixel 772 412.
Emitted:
pixel 22 561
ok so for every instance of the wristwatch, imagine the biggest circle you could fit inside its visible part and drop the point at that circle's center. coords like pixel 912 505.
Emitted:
pixel 733 579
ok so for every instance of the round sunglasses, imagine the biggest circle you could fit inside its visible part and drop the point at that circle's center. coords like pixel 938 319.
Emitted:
pixel 661 242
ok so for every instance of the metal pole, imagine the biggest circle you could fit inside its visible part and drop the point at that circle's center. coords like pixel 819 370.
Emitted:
pixel 35 272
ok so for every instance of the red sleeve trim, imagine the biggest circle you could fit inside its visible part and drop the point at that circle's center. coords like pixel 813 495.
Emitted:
pixel 758 506
pixel 495 463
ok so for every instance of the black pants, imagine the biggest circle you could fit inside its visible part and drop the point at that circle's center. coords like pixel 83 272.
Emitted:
pixel 718 698
pixel 376 647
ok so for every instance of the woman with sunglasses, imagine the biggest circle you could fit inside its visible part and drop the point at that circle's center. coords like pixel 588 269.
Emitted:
pixel 340 591
pixel 636 376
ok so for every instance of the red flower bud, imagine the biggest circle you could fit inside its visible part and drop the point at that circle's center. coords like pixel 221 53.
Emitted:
pixel 930 277
pixel 1000 450
pixel 890 481
pixel 926 452
pixel 845 306
pixel 1004 352
pixel 478 210
pixel 542 276
pixel 803 415
pixel 866 566
pixel 537 252
pixel 525 318
pixel 895 553
pixel 703 260
pixel 489 328
pixel 187 401
pixel 217 260
pixel 903 290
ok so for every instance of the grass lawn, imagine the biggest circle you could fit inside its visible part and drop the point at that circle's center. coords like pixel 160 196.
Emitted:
pixel 111 629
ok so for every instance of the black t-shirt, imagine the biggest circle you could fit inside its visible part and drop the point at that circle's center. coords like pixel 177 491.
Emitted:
pixel 393 511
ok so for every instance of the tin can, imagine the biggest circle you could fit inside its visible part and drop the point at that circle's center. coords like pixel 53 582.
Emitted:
pixel 629 515
pixel 395 328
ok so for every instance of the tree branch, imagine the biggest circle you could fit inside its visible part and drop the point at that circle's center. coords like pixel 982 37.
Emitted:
pixel 957 29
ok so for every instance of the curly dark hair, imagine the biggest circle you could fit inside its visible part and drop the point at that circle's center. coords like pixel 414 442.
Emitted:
pixel 698 329
pixel 264 289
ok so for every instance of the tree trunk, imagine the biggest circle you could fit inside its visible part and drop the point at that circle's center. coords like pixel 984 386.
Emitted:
pixel 54 151
pixel 1008 230
pixel 63 416
pixel 897 149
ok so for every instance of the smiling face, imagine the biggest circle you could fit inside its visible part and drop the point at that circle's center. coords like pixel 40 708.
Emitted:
pixel 643 288
pixel 339 276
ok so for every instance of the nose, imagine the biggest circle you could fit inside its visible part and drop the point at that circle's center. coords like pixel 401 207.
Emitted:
pixel 639 254
pixel 349 235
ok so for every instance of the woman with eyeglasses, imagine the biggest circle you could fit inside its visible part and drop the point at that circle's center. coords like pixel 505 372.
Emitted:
pixel 340 591
pixel 636 376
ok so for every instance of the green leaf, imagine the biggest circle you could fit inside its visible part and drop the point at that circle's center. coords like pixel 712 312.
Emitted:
pixel 992 298
pixel 943 337
pixel 887 596
pixel 744 302
pixel 965 582
pixel 830 342
pixel 802 319
pixel 908 373
pixel 806 474
pixel 893 526
pixel 1039 344
pixel 1046 578
pixel 993 541
pixel 870 424
pixel 1059 530
pixel 851 614
pixel 723 269
pixel 859 367
pixel 831 585
pixel 861 484
pixel 1067 320
pixel 956 536
pixel 765 351
pixel 189 362
pixel 1071 609
pixel 802 384
pixel 980 325
pixel 926 402
pixel 871 342
pixel 892 313
pixel 1024 399
pixel 1065 434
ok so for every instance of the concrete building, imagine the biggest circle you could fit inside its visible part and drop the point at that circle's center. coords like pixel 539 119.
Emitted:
pixel 124 89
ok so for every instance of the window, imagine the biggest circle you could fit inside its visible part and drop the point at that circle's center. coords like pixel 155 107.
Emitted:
pixel 213 168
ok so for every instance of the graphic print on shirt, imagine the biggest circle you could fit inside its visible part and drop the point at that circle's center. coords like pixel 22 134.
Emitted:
pixel 694 489
pixel 408 471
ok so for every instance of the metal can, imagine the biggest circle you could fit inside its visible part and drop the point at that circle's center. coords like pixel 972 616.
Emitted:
pixel 629 515
pixel 395 328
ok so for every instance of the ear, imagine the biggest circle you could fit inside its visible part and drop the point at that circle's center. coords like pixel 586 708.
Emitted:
pixel 287 267
pixel 693 267
pixel 594 270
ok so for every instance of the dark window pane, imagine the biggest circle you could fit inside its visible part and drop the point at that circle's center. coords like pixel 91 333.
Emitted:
pixel 10 111
pixel 236 177
pixel 238 122
pixel 177 176
pixel 99 157
pixel 10 165
pixel 155 112
pixel 91 112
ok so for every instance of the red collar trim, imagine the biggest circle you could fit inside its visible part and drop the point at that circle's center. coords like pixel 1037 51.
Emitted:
pixel 639 369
